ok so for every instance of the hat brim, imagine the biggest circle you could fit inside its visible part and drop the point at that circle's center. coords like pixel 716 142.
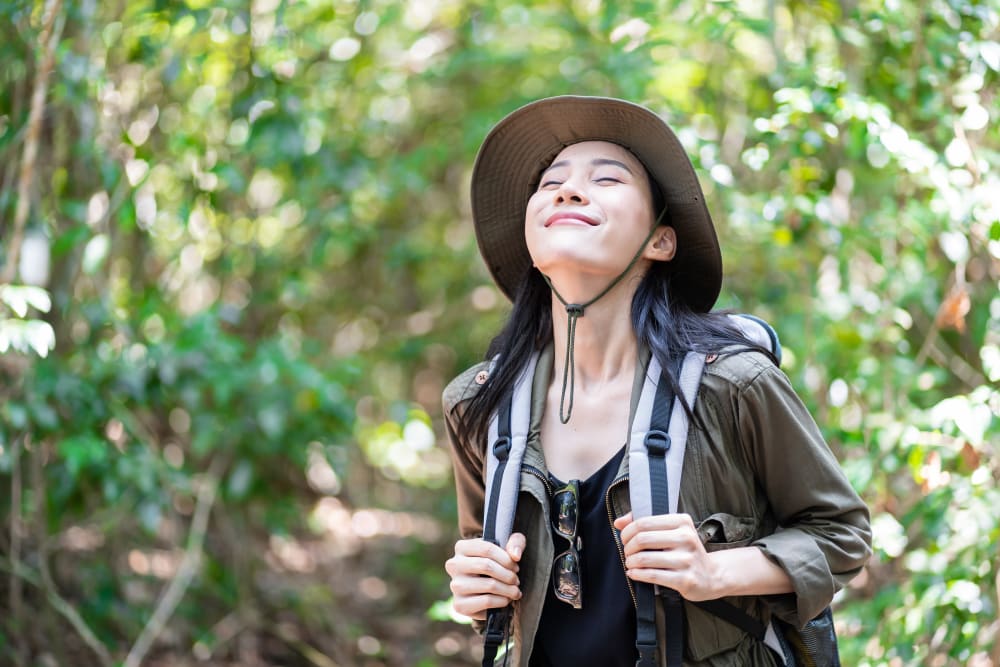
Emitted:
pixel 525 142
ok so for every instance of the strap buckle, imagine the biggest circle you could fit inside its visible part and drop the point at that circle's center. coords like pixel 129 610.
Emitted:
pixel 496 626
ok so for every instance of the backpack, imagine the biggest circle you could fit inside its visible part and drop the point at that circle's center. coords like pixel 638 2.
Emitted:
pixel 657 440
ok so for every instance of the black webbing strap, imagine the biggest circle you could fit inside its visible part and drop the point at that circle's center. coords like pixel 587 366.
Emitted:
pixel 645 626
pixel 657 445
pixel 497 620
pixel 502 450
pixel 734 616
pixel 497 628
pixel 659 423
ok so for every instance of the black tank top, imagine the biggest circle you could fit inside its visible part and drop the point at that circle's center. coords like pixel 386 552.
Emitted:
pixel 603 631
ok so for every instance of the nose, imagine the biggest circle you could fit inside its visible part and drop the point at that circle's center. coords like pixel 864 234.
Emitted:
pixel 569 193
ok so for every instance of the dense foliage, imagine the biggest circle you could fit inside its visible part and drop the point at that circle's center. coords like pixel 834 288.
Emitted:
pixel 237 269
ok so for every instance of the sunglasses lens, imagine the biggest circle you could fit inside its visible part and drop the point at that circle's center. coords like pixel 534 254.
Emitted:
pixel 566 578
pixel 565 519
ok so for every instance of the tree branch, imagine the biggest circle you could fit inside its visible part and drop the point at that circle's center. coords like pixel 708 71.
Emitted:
pixel 21 572
pixel 15 549
pixel 48 38
pixel 185 573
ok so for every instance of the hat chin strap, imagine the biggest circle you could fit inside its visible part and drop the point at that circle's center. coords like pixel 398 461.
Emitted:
pixel 575 312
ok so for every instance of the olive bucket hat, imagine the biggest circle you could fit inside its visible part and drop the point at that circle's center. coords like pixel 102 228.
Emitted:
pixel 524 143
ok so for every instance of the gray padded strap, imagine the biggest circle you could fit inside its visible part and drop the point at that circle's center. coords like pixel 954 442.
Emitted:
pixel 520 420
pixel 759 332
pixel 690 378
pixel 638 465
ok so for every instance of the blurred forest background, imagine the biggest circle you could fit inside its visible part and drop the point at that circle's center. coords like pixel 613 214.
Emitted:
pixel 237 268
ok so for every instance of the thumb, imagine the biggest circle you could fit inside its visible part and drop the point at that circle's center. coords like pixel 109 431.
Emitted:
pixel 515 545
pixel 623 521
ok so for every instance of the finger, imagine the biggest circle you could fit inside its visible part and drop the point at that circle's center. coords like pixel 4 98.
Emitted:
pixel 665 578
pixel 466 587
pixel 463 566
pixel 684 583
pixel 516 545
pixel 477 606
pixel 661 532
pixel 623 521
pixel 649 540
pixel 662 522
pixel 659 560
pixel 483 549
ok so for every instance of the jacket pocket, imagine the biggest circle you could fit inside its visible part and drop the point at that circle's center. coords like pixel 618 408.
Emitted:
pixel 725 531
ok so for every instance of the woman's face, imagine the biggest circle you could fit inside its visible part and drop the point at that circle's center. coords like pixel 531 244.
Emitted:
pixel 592 209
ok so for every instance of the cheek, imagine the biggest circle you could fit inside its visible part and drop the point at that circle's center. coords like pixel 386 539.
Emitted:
pixel 531 213
pixel 535 202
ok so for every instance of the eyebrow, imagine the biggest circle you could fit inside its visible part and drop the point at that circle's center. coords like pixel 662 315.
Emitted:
pixel 595 162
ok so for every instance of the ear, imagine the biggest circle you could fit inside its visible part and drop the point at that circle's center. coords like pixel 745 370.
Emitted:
pixel 663 246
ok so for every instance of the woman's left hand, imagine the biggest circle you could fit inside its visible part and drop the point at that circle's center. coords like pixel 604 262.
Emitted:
pixel 665 549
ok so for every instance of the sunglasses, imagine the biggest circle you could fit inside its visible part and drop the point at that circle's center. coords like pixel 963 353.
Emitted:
pixel 567 580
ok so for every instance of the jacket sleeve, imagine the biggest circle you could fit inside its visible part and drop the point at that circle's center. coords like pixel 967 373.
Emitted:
pixel 823 537
pixel 466 458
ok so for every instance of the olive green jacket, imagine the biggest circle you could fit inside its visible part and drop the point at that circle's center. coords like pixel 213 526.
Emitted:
pixel 759 473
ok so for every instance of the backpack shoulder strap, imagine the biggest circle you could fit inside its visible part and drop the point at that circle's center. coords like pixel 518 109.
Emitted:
pixel 657 442
pixel 508 438
pixel 760 332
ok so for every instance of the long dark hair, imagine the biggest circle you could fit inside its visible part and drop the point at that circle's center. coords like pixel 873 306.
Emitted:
pixel 663 323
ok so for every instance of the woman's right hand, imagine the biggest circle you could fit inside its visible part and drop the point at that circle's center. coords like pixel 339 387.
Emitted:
pixel 484 576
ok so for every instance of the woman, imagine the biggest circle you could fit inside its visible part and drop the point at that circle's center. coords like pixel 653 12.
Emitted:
pixel 590 217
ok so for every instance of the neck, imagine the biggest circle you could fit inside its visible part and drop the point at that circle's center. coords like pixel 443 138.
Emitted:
pixel 605 346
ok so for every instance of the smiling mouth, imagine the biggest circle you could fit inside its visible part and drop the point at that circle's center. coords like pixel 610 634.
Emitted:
pixel 570 218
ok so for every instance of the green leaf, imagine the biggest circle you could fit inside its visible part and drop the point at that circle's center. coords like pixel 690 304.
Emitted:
pixel 82 451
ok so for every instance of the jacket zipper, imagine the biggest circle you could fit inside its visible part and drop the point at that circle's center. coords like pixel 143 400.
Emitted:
pixel 532 470
pixel 618 541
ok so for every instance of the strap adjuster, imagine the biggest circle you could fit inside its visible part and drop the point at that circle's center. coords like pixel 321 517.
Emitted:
pixel 647 654
pixel 497 622
pixel 502 448
pixel 657 442
pixel 496 627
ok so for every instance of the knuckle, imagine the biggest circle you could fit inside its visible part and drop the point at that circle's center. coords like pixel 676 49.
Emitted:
pixel 497 587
